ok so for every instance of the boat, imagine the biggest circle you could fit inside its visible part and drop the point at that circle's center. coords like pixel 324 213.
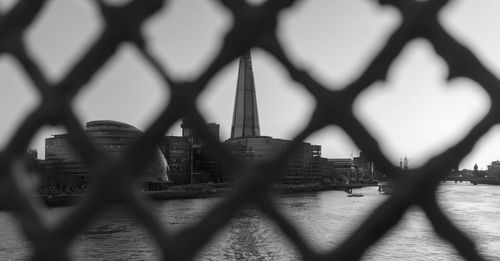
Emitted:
pixel 385 187
pixel 355 195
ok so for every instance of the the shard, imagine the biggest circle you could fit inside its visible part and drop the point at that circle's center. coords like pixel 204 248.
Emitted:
pixel 245 115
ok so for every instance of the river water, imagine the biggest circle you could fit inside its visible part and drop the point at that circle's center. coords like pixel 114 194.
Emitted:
pixel 324 218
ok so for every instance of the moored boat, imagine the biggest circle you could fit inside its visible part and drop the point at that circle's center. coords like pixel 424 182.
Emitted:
pixel 385 187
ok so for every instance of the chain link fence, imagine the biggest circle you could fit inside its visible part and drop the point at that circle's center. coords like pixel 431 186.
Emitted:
pixel 253 27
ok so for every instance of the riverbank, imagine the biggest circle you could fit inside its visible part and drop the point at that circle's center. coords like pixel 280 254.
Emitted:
pixel 199 191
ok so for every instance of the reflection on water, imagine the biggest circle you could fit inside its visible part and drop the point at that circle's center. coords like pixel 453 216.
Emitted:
pixel 324 218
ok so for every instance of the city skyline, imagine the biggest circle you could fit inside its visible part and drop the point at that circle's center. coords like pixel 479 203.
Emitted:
pixel 413 82
pixel 416 114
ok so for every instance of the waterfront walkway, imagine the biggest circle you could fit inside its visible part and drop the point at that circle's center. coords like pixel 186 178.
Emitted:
pixel 474 180
pixel 197 191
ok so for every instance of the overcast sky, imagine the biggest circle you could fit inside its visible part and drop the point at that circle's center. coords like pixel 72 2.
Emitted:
pixel 415 113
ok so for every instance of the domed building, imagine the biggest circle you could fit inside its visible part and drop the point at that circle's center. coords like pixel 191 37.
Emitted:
pixel 66 170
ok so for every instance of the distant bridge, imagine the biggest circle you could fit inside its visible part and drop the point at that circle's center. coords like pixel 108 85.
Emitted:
pixel 473 180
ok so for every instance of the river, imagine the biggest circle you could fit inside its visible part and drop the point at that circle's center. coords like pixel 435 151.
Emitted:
pixel 324 218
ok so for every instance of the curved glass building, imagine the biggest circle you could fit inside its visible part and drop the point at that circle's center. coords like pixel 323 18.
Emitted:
pixel 65 169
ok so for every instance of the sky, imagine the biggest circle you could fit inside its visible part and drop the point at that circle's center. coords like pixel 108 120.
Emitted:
pixel 415 113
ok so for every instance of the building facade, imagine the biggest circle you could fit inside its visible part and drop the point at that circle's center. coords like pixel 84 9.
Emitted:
pixel 364 168
pixel 344 167
pixel 245 113
pixel 328 170
pixel 493 170
pixel 64 168
pixel 304 166
pixel 177 151
pixel 190 158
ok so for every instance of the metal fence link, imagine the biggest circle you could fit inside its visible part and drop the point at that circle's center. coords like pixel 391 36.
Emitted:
pixel 253 27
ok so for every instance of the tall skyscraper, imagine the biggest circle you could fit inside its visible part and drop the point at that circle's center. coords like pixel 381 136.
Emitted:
pixel 246 144
pixel 245 115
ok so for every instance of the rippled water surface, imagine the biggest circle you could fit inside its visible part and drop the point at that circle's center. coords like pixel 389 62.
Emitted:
pixel 324 218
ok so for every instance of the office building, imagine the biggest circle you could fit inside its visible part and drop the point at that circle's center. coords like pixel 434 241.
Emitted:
pixel 364 168
pixel 493 170
pixel 247 144
pixel 63 166
pixel 177 151
pixel 245 114
pixel 190 158
pixel 303 166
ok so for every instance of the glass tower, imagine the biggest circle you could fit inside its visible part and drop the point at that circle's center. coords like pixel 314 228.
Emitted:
pixel 245 115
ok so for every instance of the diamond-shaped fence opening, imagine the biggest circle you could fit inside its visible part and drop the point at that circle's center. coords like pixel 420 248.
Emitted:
pixel 253 26
pixel 56 40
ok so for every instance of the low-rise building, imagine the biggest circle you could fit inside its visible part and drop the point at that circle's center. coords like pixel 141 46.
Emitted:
pixel 304 165
pixel 343 166
pixel 65 169
pixel 493 170
pixel 363 167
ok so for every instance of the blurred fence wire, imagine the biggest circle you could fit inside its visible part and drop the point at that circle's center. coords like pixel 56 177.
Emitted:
pixel 254 26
